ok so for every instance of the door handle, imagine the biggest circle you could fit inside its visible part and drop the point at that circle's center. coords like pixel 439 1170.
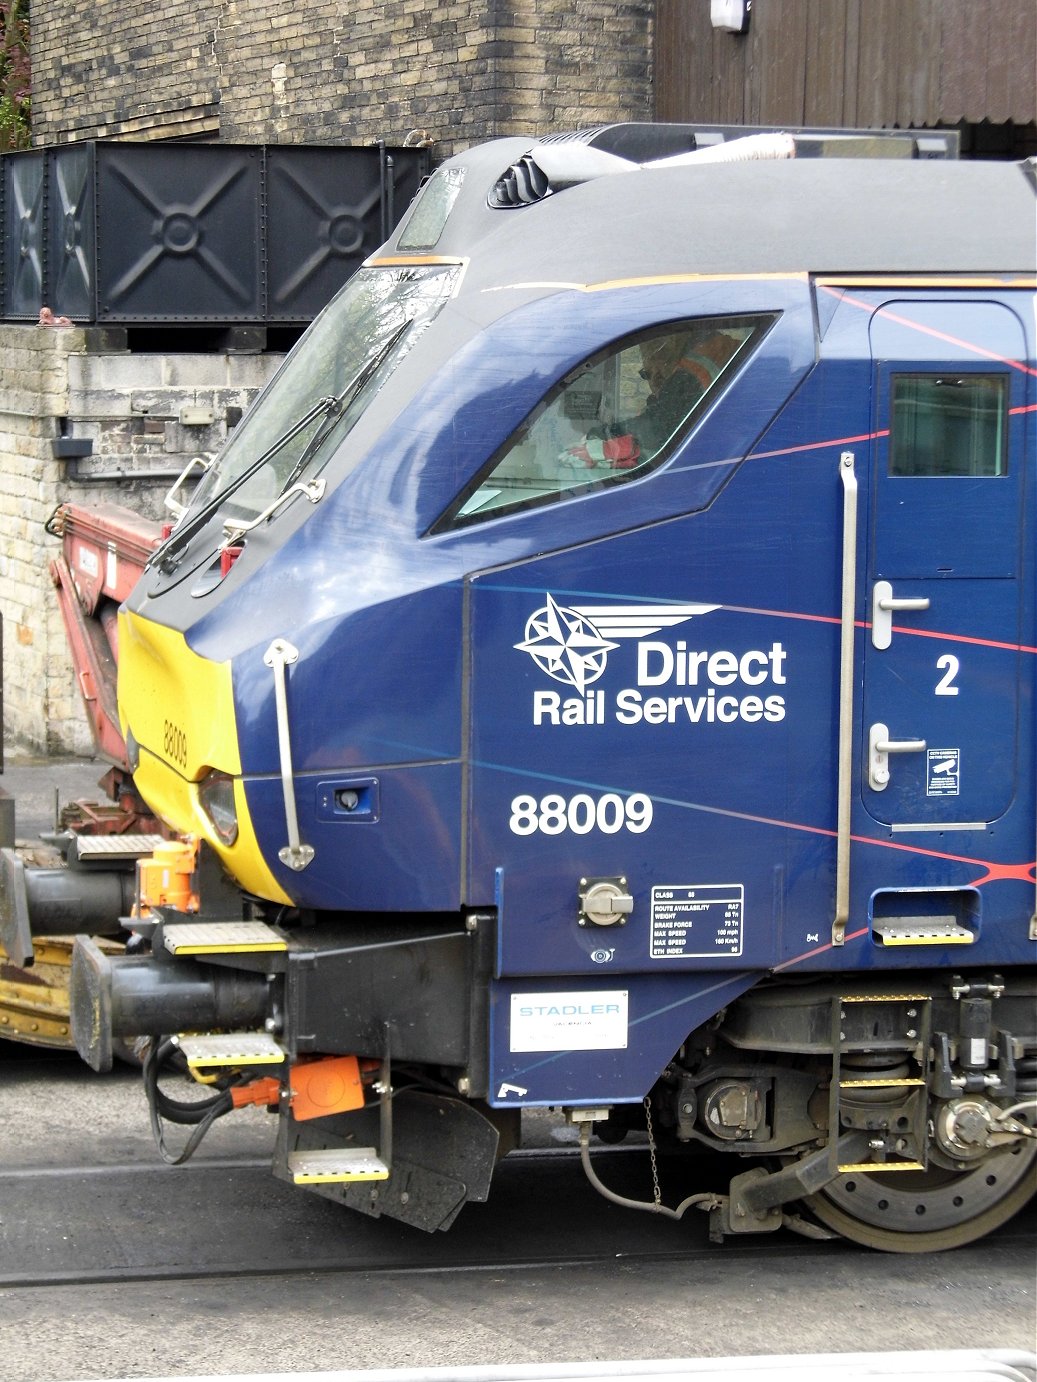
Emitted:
pixel 883 606
pixel 880 746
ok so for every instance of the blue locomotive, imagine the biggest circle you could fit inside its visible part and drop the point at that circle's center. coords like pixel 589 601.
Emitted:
pixel 599 674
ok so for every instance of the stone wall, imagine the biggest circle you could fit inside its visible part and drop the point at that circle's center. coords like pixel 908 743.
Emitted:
pixel 125 68
pixel 143 417
pixel 321 72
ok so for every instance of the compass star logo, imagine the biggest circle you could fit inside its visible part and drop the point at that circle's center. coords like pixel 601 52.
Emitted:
pixel 572 643
pixel 565 644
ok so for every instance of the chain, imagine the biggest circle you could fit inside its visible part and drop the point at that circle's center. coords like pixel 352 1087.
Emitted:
pixel 656 1192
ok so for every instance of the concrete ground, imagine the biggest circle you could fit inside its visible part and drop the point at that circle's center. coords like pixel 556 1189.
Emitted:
pixel 40 785
pixel 309 1285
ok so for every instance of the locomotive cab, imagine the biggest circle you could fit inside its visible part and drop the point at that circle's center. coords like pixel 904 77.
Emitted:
pixel 598 674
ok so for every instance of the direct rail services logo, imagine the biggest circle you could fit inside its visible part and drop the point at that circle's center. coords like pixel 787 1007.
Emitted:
pixel 571 645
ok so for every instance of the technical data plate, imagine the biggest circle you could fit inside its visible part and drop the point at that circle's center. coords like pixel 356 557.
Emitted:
pixel 230 1049
pixel 922 931
pixel 324 1166
pixel 697 922
pixel 221 938
pixel 109 847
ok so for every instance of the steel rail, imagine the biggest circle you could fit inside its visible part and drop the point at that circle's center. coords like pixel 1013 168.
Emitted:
pixel 965 1365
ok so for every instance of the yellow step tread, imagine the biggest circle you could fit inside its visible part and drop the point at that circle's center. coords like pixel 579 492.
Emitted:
pixel 328 1165
pixel 223 1049
pixel 221 938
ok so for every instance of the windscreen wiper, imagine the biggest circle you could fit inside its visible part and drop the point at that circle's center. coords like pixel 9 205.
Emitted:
pixel 328 408
pixel 341 404
pixel 168 556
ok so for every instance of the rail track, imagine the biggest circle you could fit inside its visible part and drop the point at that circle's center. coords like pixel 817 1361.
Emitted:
pixel 123 1223
pixel 114 1264
pixel 87 1201
pixel 85 1198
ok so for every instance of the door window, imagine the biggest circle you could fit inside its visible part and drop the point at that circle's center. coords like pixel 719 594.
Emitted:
pixel 948 424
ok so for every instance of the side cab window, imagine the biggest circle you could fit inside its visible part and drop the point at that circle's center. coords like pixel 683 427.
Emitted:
pixel 619 414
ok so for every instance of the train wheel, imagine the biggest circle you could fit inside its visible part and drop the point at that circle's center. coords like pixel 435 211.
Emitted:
pixel 927 1211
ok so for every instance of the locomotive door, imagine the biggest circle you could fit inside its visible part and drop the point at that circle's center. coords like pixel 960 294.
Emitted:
pixel 942 661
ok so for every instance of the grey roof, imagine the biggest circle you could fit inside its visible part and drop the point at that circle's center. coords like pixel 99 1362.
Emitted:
pixel 820 215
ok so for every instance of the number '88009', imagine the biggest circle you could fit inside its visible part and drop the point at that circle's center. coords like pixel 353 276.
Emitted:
pixel 174 743
pixel 581 814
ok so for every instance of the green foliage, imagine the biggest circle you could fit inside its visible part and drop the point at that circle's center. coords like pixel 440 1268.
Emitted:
pixel 15 75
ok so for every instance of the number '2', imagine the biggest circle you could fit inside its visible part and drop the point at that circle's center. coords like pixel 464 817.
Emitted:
pixel 949 665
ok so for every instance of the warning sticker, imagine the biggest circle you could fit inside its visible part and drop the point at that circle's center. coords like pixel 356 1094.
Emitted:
pixel 697 921
pixel 943 778
pixel 86 560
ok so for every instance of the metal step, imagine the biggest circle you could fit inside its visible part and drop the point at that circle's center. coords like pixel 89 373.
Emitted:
pixel 105 848
pixel 864 1167
pixel 919 1015
pixel 879 1084
pixel 944 930
pixel 328 1165
pixel 230 1050
pixel 221 938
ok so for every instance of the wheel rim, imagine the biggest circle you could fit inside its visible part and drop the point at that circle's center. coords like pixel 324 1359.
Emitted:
pixel 925 1211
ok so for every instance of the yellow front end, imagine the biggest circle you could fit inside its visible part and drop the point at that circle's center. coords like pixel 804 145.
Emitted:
pixel 177 715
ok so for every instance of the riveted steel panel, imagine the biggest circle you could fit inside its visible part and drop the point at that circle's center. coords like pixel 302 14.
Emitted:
pixel 137 233
pixel 71 240
pixel 24 210
pixel 328 209
pixel 179 235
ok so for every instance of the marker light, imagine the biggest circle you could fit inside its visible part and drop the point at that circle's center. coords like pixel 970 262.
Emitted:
pixel 216 795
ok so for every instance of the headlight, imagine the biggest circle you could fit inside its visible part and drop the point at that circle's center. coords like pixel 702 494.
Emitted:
pixel 216 795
